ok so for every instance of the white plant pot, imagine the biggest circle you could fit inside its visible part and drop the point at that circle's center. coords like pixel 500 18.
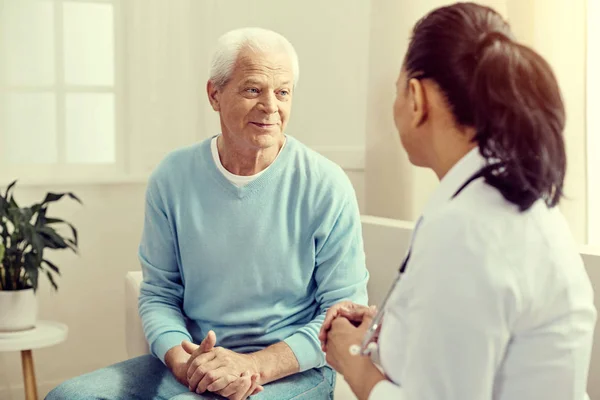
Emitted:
pixel 18 310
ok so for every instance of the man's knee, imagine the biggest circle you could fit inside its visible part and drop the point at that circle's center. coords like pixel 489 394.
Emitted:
pixel 71 389
pixel 95 385
pixel 140 377
pixel 192 396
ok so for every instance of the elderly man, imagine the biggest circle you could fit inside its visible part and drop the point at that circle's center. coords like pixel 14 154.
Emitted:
pixel 249 238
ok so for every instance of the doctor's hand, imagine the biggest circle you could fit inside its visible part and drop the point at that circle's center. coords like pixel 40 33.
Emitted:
pixel 340 337
pixel 353 312
pixel 215 369
pixel 359 371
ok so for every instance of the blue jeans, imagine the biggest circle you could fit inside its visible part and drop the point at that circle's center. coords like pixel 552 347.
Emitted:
pixel 147 378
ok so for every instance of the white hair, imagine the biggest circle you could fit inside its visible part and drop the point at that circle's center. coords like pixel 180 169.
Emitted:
pixel 258 39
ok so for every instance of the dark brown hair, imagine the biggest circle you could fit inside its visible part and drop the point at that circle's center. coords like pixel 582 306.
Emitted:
pixel 502 88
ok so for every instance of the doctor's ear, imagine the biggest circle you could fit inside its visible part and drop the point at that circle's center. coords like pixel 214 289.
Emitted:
pixel 418 102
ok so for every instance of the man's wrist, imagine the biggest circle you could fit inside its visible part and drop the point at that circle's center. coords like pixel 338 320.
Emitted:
pixel 256 367
pixel 275 362
pixel 175 356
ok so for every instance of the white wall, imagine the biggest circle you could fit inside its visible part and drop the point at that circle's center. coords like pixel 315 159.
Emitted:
pixel 329 110
pixel 343 103
pixel 593 120
pixel 591 258
pixel 555 28
pixel 90 295
pixel 166 47
pixel 394 188
pixel 168 50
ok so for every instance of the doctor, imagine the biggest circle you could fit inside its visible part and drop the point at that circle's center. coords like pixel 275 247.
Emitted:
pixel 494 302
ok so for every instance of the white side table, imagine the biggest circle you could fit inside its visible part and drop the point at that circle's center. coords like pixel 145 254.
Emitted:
pixel 45 334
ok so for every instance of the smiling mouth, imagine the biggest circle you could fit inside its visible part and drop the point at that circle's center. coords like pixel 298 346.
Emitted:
pixel 264 126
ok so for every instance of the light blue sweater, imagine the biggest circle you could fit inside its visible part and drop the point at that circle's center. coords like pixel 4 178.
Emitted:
pixel 258 264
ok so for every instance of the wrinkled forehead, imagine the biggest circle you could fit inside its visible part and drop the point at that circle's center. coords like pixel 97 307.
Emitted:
pixel 273 66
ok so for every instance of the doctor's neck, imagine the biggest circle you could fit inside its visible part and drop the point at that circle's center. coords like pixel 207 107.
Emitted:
pixel 449 147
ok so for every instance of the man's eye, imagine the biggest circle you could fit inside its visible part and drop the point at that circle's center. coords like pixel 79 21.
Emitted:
pixel 252 90
pixel 284 92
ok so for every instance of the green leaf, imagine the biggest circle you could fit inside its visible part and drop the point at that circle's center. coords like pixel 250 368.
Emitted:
pixel 51 266
pixel 52 197
pixel 26 214
pixel 37 242
pixel 10 186
pixel 51 279
pixel 55 221
pixel 52 239
pixel 1 252
pixel 25 234
pixel 72 245
pixel 33 277
pixel 12 202
pixel 41 214
pixel 32 263
pixel 60 221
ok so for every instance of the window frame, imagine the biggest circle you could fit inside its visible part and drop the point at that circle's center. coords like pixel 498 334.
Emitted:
pixel 593 120
pixel 61 171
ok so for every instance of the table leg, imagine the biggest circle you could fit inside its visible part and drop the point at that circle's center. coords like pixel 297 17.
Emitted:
pixel 29 375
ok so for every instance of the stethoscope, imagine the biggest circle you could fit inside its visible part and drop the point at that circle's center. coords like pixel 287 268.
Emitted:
pixel 369 343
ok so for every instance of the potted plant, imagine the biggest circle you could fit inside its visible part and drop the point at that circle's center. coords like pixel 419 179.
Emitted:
pixel 25 233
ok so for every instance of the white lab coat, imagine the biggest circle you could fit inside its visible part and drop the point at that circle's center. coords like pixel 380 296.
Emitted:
pixel 494 304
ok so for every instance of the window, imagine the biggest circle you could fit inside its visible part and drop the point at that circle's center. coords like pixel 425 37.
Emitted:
pixel 593 121
pixel 60 89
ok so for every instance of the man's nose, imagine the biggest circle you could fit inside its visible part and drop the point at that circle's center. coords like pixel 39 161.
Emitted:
pixel 268 103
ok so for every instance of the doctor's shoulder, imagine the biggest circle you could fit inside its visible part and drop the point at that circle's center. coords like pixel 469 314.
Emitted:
pixel 479 210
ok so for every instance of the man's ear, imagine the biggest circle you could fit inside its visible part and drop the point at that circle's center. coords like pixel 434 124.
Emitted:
pixel 419 103
pixel 213 96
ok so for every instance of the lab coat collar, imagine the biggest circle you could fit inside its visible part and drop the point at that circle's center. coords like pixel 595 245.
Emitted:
pixel 471 162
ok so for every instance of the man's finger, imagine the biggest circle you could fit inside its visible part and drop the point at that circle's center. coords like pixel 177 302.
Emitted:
pixel 220 383
pixel 194 363
pixel 209 378
pixel 189 347
pixel 258 389
pixel 208 343
pixel 237 389
pixel 255 388
pixel 245 386
pixel 197 371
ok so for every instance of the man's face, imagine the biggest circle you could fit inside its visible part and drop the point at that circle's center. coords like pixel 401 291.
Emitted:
pixel 255 104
